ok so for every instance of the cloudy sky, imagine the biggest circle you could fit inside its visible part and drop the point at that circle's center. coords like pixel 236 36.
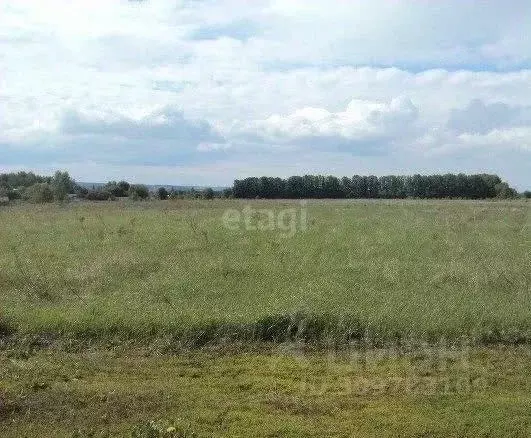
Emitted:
pixel 205 91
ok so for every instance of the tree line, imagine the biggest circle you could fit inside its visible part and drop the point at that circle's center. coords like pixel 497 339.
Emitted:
pixel 60 186
pixel 36 188
pixel 478 186
pixel 41 189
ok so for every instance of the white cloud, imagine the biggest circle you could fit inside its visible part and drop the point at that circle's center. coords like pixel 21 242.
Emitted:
pixel 163 124
pixel 360 121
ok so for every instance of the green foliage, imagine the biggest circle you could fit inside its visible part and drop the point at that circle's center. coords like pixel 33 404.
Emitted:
pixel 19 183
pixel 138 191
pixel 162 193
pixel 39 193
pixel 208 193
pixel 480 186
pixel 62 185
pixel 117 189
pixel 4 193
pixel 14 194
pixel 226 193
pixel 527 194
pixel 21 179
pixel 503 191
pixel 98 195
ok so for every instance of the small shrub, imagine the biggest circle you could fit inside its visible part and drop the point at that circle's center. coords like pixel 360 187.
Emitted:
pixel 139 191
pixel 504 191
pixel 62 185
pixel 14 194
pixel 99 195
pixel 162 193
pixel 118 189
pixel 4 198
pixel 39 193
pixel 208 193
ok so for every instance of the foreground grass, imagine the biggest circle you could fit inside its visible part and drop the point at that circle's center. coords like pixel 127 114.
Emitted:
pixel 375 272
pixel 285 393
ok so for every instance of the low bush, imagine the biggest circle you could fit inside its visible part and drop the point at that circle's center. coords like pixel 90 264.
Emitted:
pixel 139 191
pixel 99 195
pixel 39 193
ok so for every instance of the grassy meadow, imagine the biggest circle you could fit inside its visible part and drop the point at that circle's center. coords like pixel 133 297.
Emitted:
pixel 377 271
pixel 480 393
pixel 227 318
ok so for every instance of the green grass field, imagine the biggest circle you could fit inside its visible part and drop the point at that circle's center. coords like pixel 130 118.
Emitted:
pixel 456 394
pixel 116 314
pixel 377 271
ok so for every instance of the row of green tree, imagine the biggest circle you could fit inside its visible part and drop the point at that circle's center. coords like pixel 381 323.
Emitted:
pixel 41 189
pixel 36 188
pixel 478 186
pixel 121 189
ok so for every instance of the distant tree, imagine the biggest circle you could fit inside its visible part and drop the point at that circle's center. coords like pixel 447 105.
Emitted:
pixel 208 193
pixel 117 189
pixel 80 191
pixel 462 186
pixel 21 180
pixel 294 187
pixel 391 186
pixel 450 183
pixel 13 194
pixel 175 194
pixel 414 186
pixel 138 191
pixel 503 191
pixel 247 188
pixel 226 193
pixel 124 187
pixel 491 181
pixel 332 187
pixel 346 187
pixel 62 185
pixel 39 193
pixel 359 186
pixel 527 194
pixel 98 195
pixel 8 192
pixel 373 187
pixel 4 199
pixel 479 186
pixel 162 193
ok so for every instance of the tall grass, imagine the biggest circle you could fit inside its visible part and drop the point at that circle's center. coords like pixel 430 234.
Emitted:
pixel 371 271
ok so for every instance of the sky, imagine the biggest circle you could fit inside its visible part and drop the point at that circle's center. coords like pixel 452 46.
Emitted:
pixel 200 92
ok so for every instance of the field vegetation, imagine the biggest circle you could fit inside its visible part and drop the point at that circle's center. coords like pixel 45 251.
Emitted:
pixel 372 271
pixel 233 318
pixel 284 393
